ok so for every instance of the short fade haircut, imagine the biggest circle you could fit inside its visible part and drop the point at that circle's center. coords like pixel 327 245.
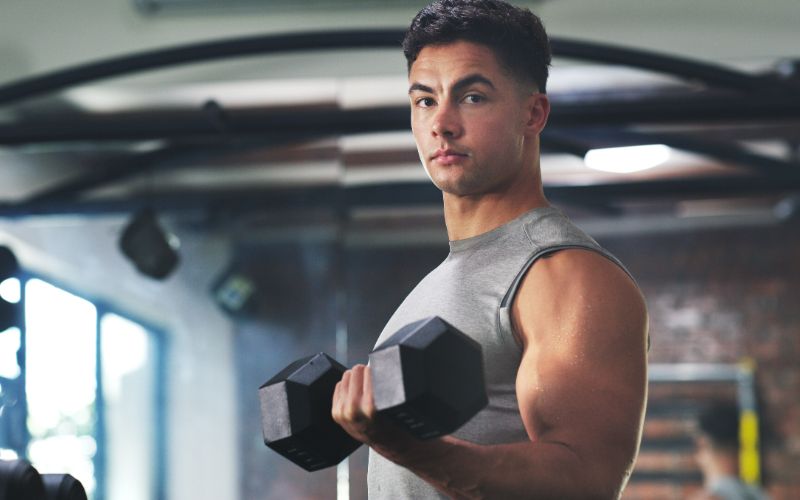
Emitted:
pixel 720 422
pixel 516 35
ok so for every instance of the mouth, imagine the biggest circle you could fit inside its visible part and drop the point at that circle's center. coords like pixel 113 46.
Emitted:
pixel 447 156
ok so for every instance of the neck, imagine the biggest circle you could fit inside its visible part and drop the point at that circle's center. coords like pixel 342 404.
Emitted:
pixel 468 216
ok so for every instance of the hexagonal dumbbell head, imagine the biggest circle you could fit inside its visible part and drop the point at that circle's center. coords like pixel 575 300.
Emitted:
pixel 296 413
pixel 428 377
pixel 63 487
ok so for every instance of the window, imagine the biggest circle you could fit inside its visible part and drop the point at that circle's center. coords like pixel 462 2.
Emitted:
pixel 91 405
pixel 61 381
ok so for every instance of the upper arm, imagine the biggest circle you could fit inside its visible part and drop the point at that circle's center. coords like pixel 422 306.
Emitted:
pixel 582 381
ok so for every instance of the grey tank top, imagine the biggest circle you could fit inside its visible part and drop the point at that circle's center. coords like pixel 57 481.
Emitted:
pixel 473 290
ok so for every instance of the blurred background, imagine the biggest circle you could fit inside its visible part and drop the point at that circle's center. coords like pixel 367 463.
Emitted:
pixel 197 192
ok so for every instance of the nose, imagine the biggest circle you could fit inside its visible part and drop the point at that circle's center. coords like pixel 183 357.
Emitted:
pixel 447 122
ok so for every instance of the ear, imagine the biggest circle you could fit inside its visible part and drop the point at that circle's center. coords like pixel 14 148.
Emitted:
pixel 537 108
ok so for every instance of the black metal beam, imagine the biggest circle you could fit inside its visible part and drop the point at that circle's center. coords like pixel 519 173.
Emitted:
pixel 54 81
pixel 273 125
pixel 294 125
pixel 580 140
pixel 400 194
pixel 771 103
pixel 685 189
pixel 124 167
pixel 710 74
pixel 694 107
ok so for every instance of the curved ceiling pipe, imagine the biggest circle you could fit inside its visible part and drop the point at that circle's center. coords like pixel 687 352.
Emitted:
pixel 711 74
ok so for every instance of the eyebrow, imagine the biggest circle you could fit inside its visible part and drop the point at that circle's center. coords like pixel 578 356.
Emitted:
pixel 459 85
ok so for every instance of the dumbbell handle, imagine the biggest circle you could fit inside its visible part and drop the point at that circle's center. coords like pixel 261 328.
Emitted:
pixel 427 378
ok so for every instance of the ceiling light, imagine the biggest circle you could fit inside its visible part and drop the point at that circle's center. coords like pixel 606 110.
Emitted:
pixel 627 159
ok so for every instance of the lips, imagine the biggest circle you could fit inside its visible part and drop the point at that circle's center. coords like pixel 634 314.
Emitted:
pixel 447 156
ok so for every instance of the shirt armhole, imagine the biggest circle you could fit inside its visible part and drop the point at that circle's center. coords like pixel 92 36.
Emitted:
pixel 505 325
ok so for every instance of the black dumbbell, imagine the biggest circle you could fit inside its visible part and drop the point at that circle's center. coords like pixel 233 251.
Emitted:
pixel 427 378
pixel 19 480
pixel 62 487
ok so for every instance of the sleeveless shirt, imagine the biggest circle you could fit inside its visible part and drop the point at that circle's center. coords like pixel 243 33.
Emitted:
pixel 473 289
pixel 732 488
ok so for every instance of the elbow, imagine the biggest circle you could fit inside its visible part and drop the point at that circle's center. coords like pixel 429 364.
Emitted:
pixel 587 489
pixel 592 479
pixel 601 479
pixel 604 484
pixel 607 491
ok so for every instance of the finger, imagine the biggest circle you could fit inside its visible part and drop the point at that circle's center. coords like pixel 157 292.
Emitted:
pixel 340 397
pixel 367 401
pixel 336 401
pixel 344 385
pixel 355 389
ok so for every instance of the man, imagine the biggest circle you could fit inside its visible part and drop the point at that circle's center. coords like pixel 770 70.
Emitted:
pixel 717 454
pixel 562 325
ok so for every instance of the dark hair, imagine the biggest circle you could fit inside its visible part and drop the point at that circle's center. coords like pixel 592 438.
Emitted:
pixel 516 35
pixel 720 422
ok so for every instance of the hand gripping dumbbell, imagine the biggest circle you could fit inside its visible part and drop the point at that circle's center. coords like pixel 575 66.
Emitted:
pixel 427 378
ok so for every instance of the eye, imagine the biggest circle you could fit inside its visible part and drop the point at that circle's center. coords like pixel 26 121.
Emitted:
pixel 425 102
pixel 473 98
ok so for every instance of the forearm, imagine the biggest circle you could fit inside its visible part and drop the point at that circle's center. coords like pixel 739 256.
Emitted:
pixel 464 470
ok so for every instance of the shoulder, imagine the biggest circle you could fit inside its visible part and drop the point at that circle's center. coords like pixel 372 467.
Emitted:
pixel 578 288
pixel 581 269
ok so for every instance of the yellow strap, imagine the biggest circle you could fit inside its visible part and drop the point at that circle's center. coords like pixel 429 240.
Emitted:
pixel 749 459
pixel 749 466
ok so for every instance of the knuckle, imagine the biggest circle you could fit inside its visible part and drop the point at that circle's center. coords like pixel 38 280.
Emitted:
pixel 368 411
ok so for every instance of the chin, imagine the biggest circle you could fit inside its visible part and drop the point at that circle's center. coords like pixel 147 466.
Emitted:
pixel 458 190
pixel 451 184
pixel 446 185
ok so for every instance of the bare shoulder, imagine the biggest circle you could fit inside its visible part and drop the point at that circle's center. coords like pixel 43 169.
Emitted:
pixel 580 290
pixel 580 270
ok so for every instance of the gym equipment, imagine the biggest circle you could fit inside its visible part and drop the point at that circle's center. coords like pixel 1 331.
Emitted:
pixel 19 480
pixel 62 487
pixel 296 413
pixel 153 251
pixel 427 378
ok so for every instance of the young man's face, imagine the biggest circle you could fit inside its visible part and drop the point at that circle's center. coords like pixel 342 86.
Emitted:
pixel 471 120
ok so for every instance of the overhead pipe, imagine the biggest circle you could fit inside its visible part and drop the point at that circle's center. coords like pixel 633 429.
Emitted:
pixel 35 86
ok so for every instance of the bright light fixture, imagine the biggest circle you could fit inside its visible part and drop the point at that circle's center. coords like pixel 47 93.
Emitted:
pixel 627 159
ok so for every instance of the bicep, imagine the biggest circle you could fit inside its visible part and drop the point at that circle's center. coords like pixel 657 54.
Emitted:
pixel 582 379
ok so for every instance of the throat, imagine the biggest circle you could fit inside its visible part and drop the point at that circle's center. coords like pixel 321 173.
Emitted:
pixel 466 216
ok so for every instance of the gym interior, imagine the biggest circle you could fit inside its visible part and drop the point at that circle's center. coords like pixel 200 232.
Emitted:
pixel 194 193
